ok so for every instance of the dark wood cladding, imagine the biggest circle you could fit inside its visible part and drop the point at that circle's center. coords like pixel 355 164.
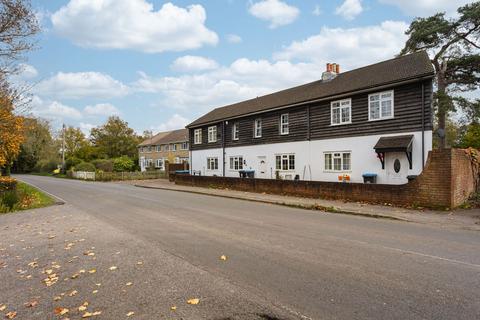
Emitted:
pixel 313 121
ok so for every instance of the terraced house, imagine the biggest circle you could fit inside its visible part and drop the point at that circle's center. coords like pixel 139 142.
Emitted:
pixel 373 123
pixel 171 146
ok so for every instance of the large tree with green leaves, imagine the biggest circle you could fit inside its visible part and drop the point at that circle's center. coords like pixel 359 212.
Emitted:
pixel 453 46
pixel 115 139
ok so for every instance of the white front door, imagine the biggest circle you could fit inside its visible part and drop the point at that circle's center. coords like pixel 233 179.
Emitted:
pixel 396 166
pixel 262 167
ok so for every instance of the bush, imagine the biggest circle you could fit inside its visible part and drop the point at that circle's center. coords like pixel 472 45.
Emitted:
pixel 72 162
pixel 46 166
pixel 105 165
pixel 85 166
pixel 8 200
pixel 123 164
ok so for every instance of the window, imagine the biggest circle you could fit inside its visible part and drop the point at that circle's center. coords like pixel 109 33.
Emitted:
pixel 212 134
pixel 158 149
pixel 174 147
pixel 341 111
pixel 159 164
pixel 197 139
pixel 235 131
pixel 338 161
pixel 184 145
pixel 258 128
pixel 167 147
pixel 149 148
pixel 212 163
pixel 380 106
pixel 149 163
pixel 284 123
pixel 236 163
pixel 285 162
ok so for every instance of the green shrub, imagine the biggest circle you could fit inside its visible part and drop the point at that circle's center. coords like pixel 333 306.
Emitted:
pixel 85 166
pixel 72 162
pixel 9 199
pixel 123 164
pixel 105 165
pixel 46 166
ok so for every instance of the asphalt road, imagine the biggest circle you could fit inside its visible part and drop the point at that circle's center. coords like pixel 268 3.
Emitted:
pixel 290 262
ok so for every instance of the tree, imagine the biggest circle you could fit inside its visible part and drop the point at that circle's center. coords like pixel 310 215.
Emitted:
pixel 18 26
pixel 11 133
pixel 115 138
pixel 74 141
pixel 453 46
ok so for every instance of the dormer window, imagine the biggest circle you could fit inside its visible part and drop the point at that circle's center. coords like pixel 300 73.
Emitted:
pixel 341 112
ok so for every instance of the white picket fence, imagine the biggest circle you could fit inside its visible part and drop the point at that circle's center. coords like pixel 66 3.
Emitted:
pixel 84 175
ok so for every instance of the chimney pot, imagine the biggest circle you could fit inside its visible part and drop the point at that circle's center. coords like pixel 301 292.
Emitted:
pixel 338 69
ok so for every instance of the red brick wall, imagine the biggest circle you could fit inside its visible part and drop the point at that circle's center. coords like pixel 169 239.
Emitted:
pixel 446 182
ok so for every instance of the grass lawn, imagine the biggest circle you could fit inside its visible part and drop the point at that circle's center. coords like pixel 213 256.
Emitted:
pixel 24 198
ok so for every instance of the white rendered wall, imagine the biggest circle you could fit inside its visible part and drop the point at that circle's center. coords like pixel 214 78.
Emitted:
pixel 309 158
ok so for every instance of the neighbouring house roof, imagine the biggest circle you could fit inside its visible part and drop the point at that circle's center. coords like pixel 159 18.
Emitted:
pixel 403 68
pixel 167 137
pixel 394 144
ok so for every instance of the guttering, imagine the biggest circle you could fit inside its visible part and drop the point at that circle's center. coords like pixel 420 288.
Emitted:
pixel 423 125
pixel 338 96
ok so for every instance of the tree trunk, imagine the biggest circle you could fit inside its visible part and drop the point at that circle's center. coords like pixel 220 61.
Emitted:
pixel 442 109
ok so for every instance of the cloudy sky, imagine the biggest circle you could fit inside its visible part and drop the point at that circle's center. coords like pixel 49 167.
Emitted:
pixel 162 64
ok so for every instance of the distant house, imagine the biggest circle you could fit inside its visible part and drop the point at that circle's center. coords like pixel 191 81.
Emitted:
pixel 374 121
pixel 171 146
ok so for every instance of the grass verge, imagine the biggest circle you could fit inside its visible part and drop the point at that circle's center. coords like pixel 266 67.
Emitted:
pixel 25 197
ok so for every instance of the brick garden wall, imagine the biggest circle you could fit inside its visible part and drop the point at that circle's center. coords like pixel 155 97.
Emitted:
pixel 446 182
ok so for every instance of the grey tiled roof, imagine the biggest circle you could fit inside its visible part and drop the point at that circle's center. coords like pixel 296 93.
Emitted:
pixel 412 66
pixel 167 137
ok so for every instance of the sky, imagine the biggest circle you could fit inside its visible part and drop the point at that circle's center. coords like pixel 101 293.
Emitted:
pixel 160 65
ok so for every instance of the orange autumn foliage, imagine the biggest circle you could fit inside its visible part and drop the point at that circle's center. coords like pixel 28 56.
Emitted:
pixel 11 132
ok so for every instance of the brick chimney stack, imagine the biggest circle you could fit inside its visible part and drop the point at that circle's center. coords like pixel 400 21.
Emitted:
pixel 331 72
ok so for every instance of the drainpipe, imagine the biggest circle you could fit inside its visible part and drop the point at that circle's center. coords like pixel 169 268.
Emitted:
pixel 423 126
pixel 223 146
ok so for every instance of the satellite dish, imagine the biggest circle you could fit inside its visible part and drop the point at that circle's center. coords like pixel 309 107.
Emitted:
pixel 441 133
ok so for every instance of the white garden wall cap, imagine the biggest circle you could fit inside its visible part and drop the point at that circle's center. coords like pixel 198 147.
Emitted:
pixel 404 68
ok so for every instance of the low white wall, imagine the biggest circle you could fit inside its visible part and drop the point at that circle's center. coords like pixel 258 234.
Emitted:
pixel 84 175
pixel 309 158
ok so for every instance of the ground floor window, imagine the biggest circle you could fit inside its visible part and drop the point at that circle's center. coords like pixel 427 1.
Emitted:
pixel 212 163
pixel 236 163
pixel 149 163
pixel 338 161
pixel 159 164
pixel 285 162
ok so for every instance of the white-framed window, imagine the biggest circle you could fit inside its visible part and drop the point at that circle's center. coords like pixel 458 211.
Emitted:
pixel 212 134
pixel 341 112
pixel 236 163
pixel 159 163
pixel 284 124
pixel 212 163
pixel 197 136
pixel 184 146
pixel 149 163
pixel 174 147
pixel 285 162
pixel 338 161
pixel 157 148
pixel 258 128
pixel 235 131
pixel 380 105
pixel 166 147
pixel 149 148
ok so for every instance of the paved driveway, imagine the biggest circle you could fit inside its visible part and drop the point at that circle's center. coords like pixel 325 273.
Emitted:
pixel 281 262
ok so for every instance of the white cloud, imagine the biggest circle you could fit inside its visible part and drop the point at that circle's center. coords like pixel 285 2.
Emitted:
pixel 86 128
pixel 424 8
pixel 193 63
pixel 174 123
pixel 234 38
pixel 353 47
pixel 317 11
pixel 28 72
pixel 133 24
pixel 81 85
pixel 243 79
pixel 350 9
pixel 278 13
pixel 53 110
pixel 101 109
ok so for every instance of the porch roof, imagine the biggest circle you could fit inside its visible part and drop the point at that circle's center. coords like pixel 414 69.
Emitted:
pixel 394 144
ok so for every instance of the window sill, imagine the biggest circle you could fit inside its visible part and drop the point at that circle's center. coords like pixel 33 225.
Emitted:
pixel 340 124
pixel 333 171
pixel 382 119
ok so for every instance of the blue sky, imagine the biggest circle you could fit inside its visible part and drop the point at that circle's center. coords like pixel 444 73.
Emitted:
pixel 162 64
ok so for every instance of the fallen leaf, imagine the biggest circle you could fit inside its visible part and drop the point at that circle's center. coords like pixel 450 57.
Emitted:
pixel 73 293
pixel 113 268
pixel 61 311
pixel 128 284
pixel 92 271
pixel 81 271
pixel 91 314
pixel 57 298
pixel 193 301
pixel 11 315
pixel 139 263
pixel 83 307
pixel 95 291
pixel 223 257
pixel 3 307
pixel 75 276
pixel 98 284
pixel 131 313
pixel 31 304
pixel 51 237
pixel 173 308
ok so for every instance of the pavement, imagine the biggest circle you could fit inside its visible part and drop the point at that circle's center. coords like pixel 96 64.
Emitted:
pixel 279 262
pixel 460 218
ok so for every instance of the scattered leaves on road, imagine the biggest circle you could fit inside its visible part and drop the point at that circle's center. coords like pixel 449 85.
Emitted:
pixel 31 304
pixel 3 307
pixel 11 315
pixel 193 301
pixel 173 308
pixel 61 311
pixel 131 313
pixel 113 268
pixel 91 314
pixel 223 258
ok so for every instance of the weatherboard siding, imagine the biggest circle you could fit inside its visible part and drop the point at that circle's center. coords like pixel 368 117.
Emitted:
pixel 313 121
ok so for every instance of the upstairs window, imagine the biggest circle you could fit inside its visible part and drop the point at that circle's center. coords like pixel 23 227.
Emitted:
pixel 212 163
pixel 197 136
pixel 341 112
pixel 380 106
pixel 158 149
pixel 236 163
pixel 212 134
pixel 174 147
pixel 284 124
pixel 285 162
pixel 338 161
pixel 184 145
pixel 258 128
pixel 235 131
